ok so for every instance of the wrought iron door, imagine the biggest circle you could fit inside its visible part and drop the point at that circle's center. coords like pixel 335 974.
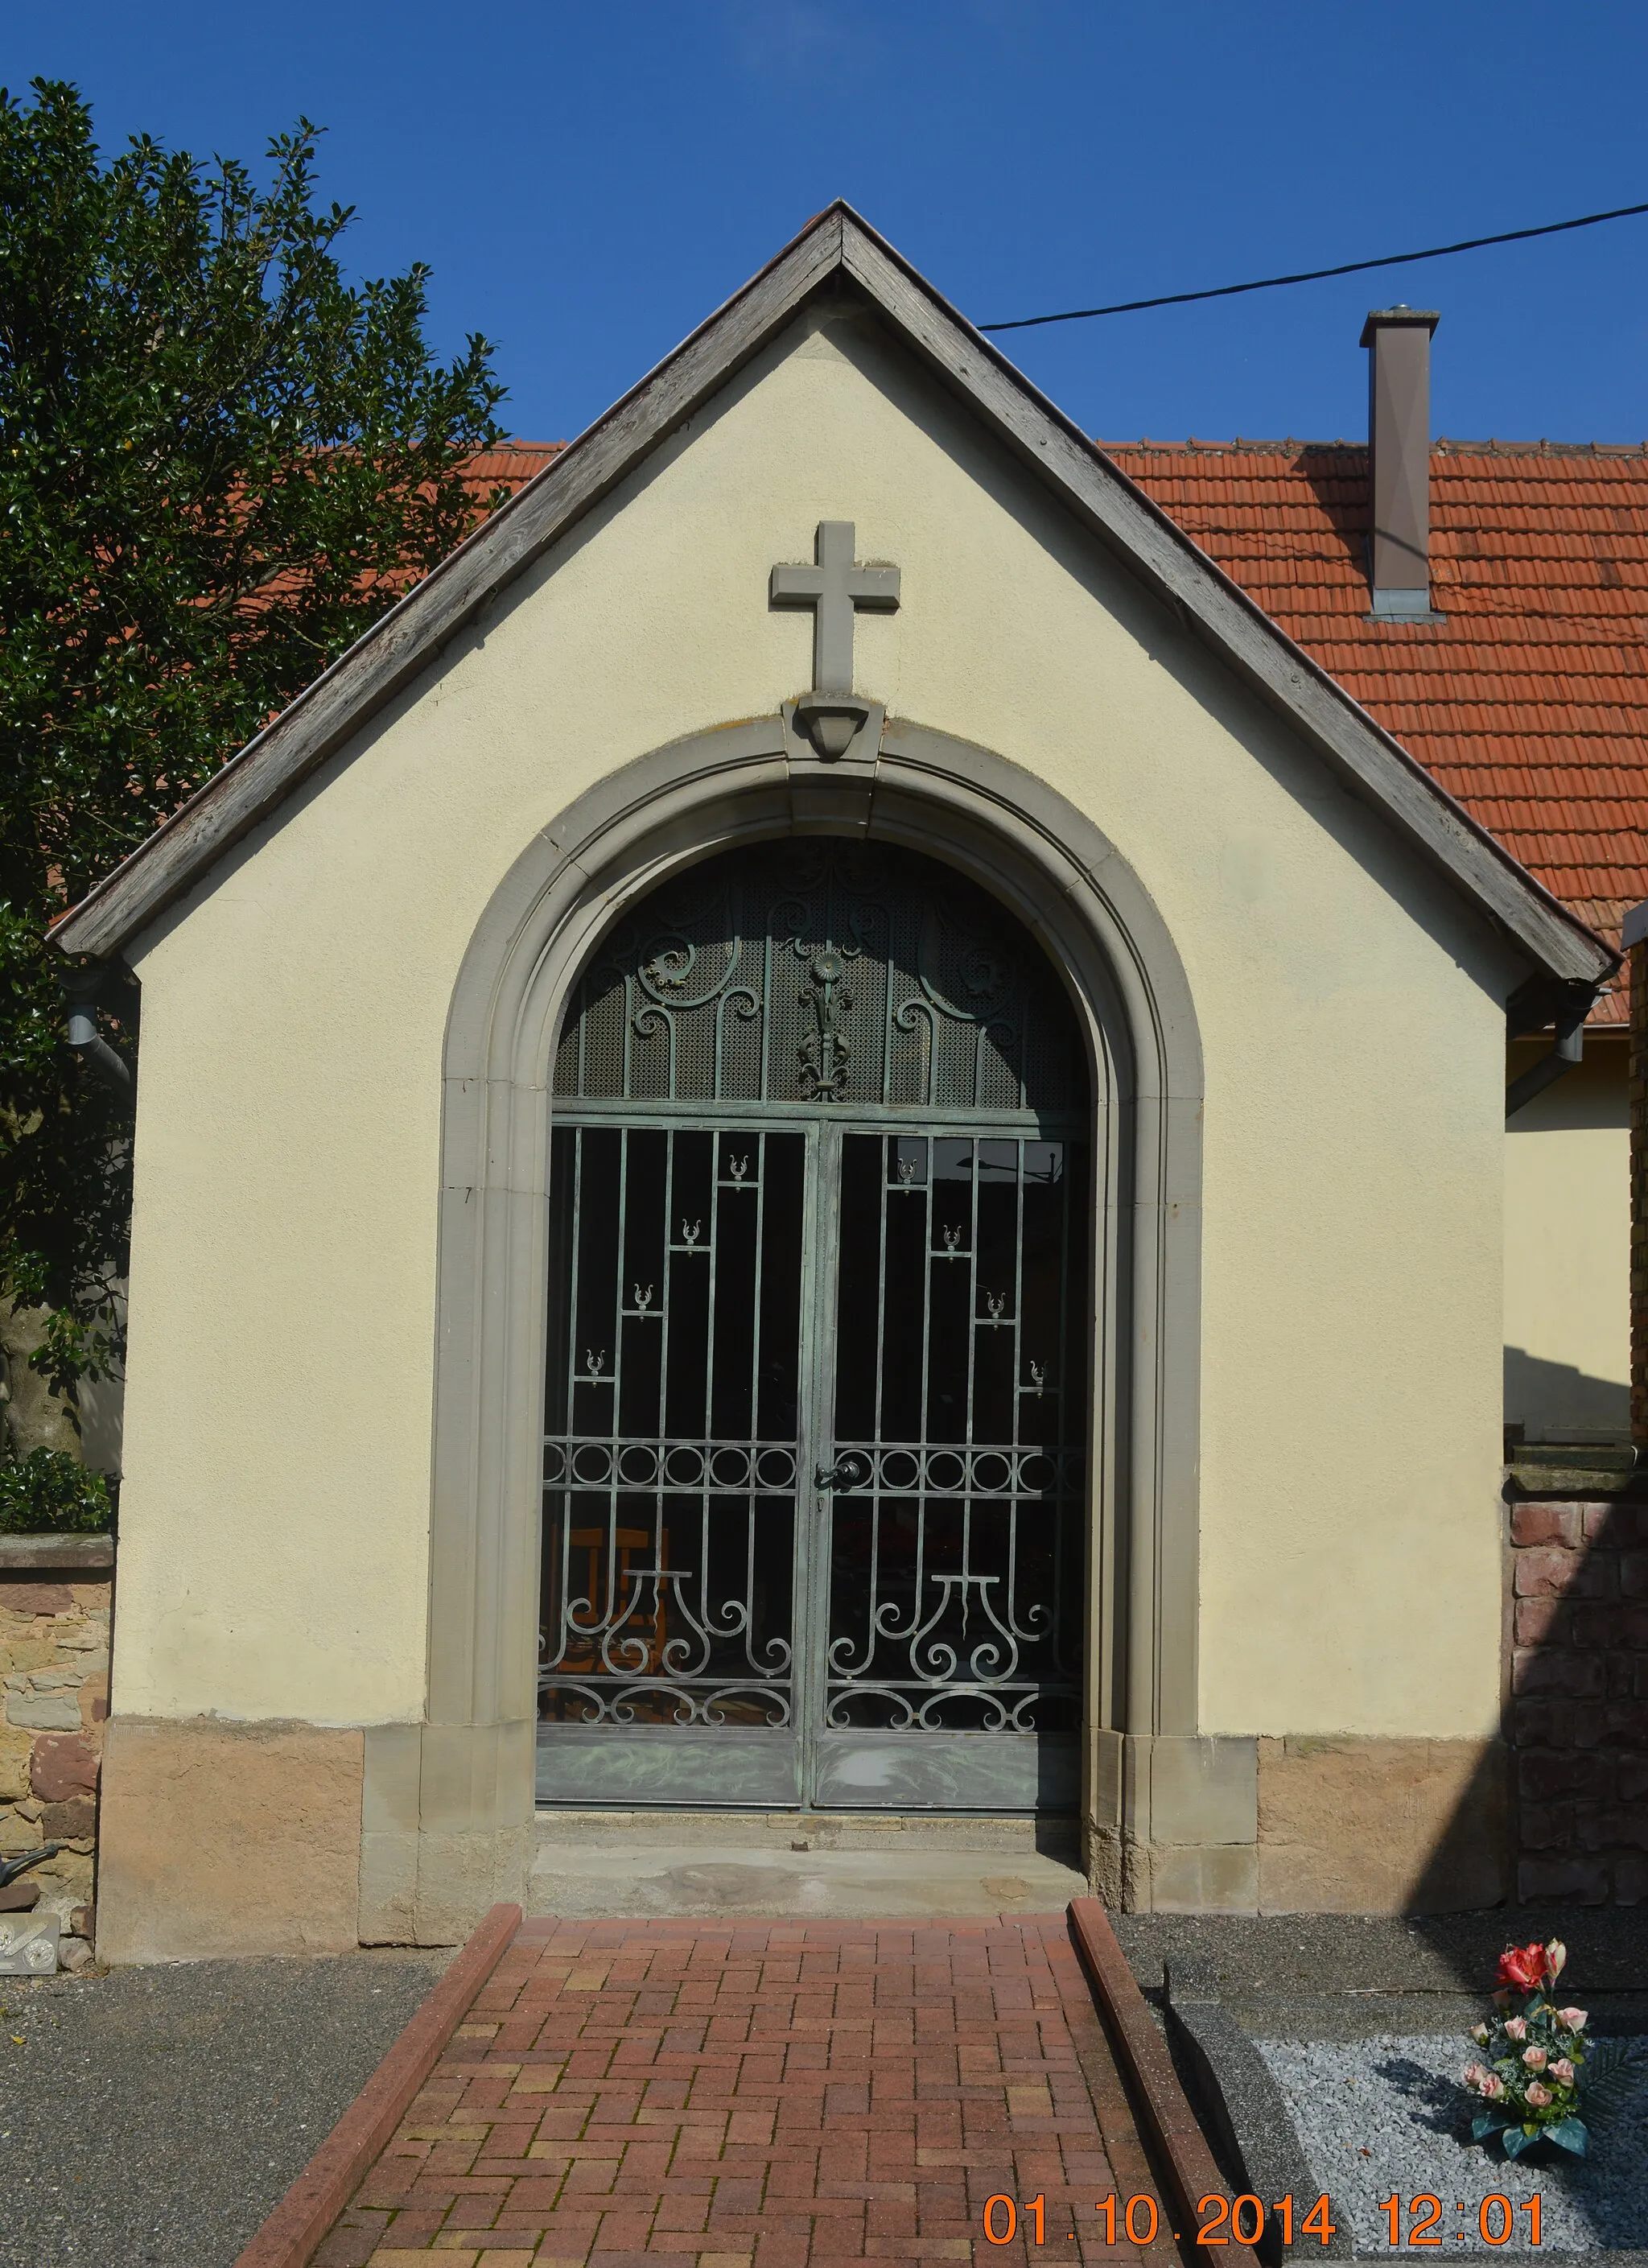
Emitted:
pixel 814 1433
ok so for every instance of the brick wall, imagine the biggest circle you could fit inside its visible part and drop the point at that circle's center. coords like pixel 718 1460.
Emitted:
pixel 55 1625
pixel 1579 1700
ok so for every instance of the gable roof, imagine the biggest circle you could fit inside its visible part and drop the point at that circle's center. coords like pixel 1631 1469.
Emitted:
pixel 835 250
pixel 1529 700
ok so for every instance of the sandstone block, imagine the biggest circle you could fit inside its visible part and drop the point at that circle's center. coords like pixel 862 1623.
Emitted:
pixel 1589 1724
pixel 1634 1574
pixel 1544 1775
pixel 44 1712
pixel 1542 1622
pixel 1369 1825
pixel 1547 1523
pixel 1572 1881
pixel 62 1769
pixel 1593 1625
pixel 1543 1571
pixel 70 1822
pixel 22 1654
pixel 1542 1724
pixel 1631 1882
pixel 1580 1675
pixel 1548 1826
pixel 1211 1878
pixel 221 1839
pixel 1612 1827
pixel 35 1598
pixel 21 1896
pixel 1632 1777
pixel 15 1747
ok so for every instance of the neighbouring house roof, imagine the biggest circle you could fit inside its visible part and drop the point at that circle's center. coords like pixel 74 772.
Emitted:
pixel 837 252
pixel 1529 702
pixel 510 466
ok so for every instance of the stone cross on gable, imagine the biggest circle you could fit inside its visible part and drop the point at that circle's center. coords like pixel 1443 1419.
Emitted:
pixel 835 588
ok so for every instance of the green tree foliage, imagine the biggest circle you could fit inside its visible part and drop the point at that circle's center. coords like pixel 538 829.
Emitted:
pixel 219 461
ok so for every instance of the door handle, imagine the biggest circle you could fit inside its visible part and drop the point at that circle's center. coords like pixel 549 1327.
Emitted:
pixel 851 1469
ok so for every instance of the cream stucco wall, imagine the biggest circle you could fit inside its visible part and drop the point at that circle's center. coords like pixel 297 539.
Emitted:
pixel 278 1425
pixel 1567 1310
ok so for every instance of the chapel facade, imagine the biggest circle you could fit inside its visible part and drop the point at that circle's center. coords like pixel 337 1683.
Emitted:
pixel 826 1133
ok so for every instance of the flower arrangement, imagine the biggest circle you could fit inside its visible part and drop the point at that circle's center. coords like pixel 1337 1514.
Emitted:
pixel 1527 2088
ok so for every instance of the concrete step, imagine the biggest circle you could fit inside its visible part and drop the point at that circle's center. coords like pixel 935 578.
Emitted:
pixel 843 1867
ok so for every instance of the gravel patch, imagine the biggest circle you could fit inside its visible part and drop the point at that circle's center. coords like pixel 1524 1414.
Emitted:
pixel 152 2117
pixel 1388 2114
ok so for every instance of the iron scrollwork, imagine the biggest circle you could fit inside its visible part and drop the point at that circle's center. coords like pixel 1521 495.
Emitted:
pixel 916 989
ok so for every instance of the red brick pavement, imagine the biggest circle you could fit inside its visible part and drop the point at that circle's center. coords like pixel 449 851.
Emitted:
pixel 764 2095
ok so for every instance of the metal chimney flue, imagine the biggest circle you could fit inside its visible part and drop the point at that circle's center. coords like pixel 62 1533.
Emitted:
pixel 1398 340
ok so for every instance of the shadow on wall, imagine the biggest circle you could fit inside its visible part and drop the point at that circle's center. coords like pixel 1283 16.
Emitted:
pixel 1573 1762
pixel 1555 1402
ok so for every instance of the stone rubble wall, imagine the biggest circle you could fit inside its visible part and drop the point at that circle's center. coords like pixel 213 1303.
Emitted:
pixel 1579 1700
pixel 54 1627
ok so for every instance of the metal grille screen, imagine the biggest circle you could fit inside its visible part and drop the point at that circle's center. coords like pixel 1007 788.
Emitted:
pixel 827 972
pixel 815 1427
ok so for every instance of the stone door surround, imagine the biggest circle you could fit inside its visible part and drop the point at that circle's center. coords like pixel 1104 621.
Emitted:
pixel 448 1804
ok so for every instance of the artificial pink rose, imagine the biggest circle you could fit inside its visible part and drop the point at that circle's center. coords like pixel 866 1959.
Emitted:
pixel 1516 2027
pixel 1492 2087
pixel 1555 1959
pixel 1479 2033
pixel 1501 1999
pixel 1472 2075
pixel 1576 2018
pixel 1534 2058
pixel 1537 2096
pixel 1563 2070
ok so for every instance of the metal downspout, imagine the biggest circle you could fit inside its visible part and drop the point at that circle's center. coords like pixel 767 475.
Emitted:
pixel 1567 1050
pixel 81 989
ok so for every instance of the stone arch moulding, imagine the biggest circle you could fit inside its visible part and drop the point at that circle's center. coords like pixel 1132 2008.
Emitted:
pixel 448 1820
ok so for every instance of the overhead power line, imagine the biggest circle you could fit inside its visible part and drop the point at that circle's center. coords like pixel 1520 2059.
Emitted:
pixel 1316 274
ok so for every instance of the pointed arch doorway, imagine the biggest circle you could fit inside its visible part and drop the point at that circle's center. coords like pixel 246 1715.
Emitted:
pixel 815 1412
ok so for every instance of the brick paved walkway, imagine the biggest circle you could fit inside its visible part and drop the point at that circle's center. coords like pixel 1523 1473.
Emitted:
pixel 768 2095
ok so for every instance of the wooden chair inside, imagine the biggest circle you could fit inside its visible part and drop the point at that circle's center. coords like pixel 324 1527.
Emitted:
pixel 649 1621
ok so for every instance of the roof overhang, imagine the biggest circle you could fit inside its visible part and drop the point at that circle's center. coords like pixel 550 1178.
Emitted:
pixel 836 251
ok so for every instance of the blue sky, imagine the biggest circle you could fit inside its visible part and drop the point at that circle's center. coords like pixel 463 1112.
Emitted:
pixel 588 182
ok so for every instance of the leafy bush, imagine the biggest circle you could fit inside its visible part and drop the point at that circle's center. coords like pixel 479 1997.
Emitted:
pixel 51 1493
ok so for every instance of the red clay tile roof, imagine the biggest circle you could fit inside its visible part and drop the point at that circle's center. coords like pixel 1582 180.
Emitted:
pixel 510 466
pixel 1530 702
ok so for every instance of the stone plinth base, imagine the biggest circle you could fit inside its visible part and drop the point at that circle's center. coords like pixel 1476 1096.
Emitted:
pixel 220 1839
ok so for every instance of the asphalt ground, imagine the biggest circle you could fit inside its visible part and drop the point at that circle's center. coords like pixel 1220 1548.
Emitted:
pixel 152 2117
pixel 1257 1957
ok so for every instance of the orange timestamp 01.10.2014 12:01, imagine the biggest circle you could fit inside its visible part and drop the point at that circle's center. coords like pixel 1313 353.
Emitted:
pixel 1244 2219
pixel 1137 2219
